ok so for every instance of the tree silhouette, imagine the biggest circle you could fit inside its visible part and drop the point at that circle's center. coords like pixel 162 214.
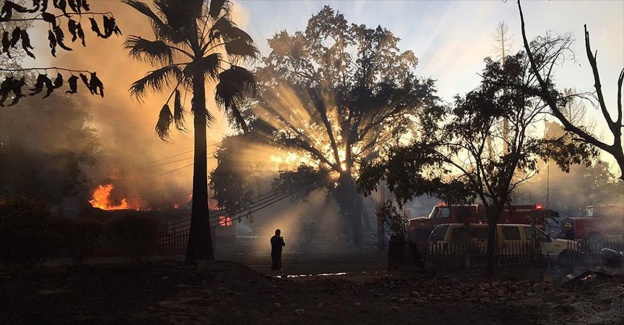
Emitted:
pixel 17 19
pixel 553 50
pixel 194 41
pixel 455 163
pixel 337 94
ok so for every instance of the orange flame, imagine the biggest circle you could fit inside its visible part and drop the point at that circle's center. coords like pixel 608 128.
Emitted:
pixel 101 199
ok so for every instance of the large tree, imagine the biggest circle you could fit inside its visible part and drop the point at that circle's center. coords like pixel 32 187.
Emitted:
pixel 338 93
pixel 543 60
pixel 455 162
pixel 194 41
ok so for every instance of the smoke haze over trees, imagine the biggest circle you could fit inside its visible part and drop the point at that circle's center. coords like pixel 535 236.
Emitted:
pixel 456 161
pixel 45 148
pixel 335 94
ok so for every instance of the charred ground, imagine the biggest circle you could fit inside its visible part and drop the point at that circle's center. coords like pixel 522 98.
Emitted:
pixel 226 292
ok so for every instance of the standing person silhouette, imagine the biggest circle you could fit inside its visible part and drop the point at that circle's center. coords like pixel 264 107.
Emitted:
pixel 277 242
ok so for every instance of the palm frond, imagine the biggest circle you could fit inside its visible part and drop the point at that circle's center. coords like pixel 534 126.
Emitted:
pixel 150 51
pixel 180 15
pixel 216 6
pixel 242 48
pixel 160 28
pixel 239 81
pixel 221 28
pixel 209 65
pixel 178 112
pixel 163 126
pixel 235 84
pixel 155 80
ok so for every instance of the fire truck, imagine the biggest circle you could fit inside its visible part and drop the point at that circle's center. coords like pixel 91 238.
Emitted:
pixel 547 220
pixel 597 225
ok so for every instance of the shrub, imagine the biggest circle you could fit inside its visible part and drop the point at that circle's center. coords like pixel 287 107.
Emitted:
pixel 25 236
pixel 76 238
pixel 133 236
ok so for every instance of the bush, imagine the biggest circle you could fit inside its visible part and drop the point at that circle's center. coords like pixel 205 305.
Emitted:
pixel 25 235
pixel 132 236
pixel 75 238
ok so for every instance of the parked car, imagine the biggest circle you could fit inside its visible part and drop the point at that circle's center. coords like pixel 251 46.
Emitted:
pixel 510 239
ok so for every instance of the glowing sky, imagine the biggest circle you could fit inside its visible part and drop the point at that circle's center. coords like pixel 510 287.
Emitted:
pixel 451 38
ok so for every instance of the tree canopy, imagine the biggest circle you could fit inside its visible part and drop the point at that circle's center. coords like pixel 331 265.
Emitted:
pixel 456 163
pixel 339 93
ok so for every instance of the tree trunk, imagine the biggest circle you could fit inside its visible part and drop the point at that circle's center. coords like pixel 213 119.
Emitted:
pixel 200 240
pixel 491 248
pixel 350 206
pixel 493 217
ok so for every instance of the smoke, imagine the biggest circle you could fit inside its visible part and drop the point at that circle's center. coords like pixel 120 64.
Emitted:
pixel 132 158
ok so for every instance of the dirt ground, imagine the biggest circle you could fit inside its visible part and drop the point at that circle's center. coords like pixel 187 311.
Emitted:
pixel 223 292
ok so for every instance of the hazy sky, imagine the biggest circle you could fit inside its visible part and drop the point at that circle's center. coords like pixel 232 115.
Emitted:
pixel 451 38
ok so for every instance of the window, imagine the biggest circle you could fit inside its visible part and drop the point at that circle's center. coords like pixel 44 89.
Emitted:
pixel 445 212
pixel 468 232
pixel 460 233
pixel 479 232
pixel 225 221
pixel 530 232
pixel 438 233
pixel 511 233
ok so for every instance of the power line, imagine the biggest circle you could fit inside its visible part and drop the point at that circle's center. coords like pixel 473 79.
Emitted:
pixel 257 203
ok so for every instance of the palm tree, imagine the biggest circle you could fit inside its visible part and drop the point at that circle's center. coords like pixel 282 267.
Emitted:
pixel 194 41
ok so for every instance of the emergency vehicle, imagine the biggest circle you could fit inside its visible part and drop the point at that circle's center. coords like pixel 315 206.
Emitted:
pixel 547 220
pixel 596 225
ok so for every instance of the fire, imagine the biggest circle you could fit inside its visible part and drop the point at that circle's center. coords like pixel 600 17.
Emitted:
pixel 101 199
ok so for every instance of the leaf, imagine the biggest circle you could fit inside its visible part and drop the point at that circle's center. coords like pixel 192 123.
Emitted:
pixel 85 80
pixel 80 34
pixel 48 17
pixel 73 85
pixel 52 41
pixel 95 28
pixel 72 25
pixel 215 7
pixel 61 5
pixel 38 84
pixel 164 123
pixel 49 87
pixel 74 6
pixel 151 51
pixel 26 44
pixel 58 31
pixel 58 82
pixel 6 43
pixel 15 36
pixel 155 80
pixel 96 86
pixel 178 111
pixel 16 87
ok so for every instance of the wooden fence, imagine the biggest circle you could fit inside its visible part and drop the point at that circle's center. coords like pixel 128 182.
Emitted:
pixel 473 254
